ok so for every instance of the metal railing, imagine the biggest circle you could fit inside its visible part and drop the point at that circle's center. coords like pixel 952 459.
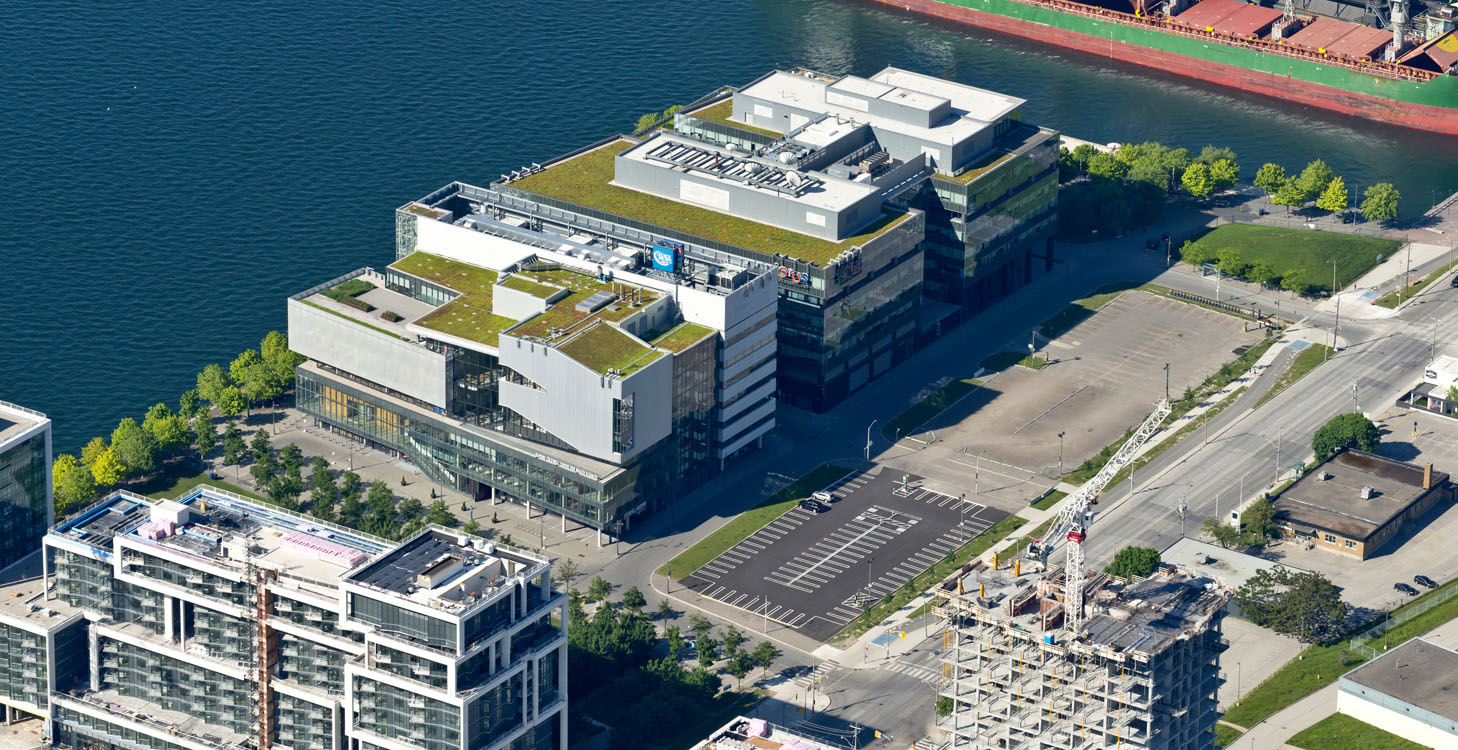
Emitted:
pixel 1361 640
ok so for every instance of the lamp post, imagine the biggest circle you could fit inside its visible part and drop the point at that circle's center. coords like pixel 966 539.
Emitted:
pixel 1337 324
pixel 868 438
pixel 1355 410
pixel 1060 447
pixel 1166 381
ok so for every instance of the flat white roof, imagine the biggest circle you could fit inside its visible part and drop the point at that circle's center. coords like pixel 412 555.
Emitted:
pixel 825 132
pixel 17 421
pixel 831 194
pixel 979 104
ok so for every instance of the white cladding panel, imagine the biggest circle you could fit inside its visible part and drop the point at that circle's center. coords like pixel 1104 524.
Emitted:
pixel 349 346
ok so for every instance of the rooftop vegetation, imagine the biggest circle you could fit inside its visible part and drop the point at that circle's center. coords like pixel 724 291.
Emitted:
pixel 603 348
pixel 681 337
pixel 563 315
pixel 585 180
pixel 420 210
pixel 983 166
pixel 720 112
pixel 468 316
pixel 522 284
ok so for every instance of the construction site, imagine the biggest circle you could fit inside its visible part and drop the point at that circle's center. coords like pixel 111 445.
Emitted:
pixel 1051 657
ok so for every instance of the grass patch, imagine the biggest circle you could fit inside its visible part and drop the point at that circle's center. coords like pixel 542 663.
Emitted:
pixel 928 578
pixel 172 485
pixel 1225 735
pixel 1082 309
pixel 923 410
pixel 352 288
pixel 1305 362
pixel 681 337
pixel 721 112
pixel 1319 666
pixel 1390 300
pixel 751 520
pixel 1342 732
pixel 521 284
pixel 354 320
pixel 584 180
pixel 983 166
pixel 1307 250
pixel 1033 363
pixel 1051 500
pixel 603 348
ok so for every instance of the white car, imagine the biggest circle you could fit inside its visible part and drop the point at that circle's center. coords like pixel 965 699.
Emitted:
pixel 824 497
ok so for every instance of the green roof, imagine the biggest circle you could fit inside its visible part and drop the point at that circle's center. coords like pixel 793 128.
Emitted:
pixel 523 284
pixel 468 316
pixel 983 166
pixel 720 113
pixel 681 337
pixel 585 181
pixel 603 348
pixel 563 314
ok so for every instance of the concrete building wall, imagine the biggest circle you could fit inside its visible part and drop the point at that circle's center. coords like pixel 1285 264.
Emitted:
pixel 515 304
pixel 576 404
pixel 1398 717
pixel 390 361
pixel 467 245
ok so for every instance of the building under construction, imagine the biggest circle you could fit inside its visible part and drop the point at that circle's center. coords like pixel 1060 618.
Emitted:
pixel 1139 669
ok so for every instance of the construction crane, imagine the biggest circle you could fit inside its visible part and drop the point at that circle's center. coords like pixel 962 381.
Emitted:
pixel 1072 524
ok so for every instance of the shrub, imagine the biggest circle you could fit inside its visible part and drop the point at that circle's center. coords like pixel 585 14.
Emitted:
pixel 356 303
pixel 392 316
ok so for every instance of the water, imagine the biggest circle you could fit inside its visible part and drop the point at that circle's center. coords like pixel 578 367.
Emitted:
pixel 172 172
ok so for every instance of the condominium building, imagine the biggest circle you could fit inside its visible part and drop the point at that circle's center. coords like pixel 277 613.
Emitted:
pixel 1141 672
pixel 512 359
pixel 26 509
pixel 216 622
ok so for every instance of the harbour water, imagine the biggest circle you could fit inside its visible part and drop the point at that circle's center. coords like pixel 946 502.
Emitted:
pixel 173 172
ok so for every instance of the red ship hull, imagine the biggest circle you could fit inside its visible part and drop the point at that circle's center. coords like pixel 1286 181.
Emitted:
pixel 1418 116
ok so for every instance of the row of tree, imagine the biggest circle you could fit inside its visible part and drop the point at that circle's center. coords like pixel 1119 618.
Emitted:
pixel 1129 187
pixel 1231 262
pixel 1318 183
pixel 135 450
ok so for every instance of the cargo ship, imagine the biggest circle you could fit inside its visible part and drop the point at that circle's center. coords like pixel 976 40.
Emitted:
pixel 1391 63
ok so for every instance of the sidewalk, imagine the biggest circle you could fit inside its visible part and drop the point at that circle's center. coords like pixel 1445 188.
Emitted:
pixel 1357 300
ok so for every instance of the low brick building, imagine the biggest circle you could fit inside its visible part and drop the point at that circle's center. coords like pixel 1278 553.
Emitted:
pixel 1355 502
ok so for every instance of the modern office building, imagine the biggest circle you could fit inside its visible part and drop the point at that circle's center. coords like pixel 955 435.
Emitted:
pixel 1140 673
pixel 513 359
pixel 26 509
pixel 885 207
pixel 215 622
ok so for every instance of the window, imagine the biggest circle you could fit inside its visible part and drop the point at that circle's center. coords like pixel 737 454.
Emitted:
pixel 1351 544
pixel 1329 538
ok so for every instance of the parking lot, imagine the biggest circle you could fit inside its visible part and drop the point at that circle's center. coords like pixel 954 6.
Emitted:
pixel 817 572
pixel 1104 376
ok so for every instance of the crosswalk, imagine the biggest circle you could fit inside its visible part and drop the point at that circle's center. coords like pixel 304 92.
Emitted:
pixel 928 675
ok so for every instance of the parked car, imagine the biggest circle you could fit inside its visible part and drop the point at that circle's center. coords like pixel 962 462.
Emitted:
pixel 1425 582
pixel 1454 282
pixel 812 506
pixel 1406 589
pixel 825 497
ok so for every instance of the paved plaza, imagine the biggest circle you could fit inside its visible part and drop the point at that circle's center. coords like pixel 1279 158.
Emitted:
pixel 815 572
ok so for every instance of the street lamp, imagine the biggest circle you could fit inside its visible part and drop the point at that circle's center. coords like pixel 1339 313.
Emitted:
pixel 868 438
pixel 1355 410
pixel 1166 381
pixel 1060 443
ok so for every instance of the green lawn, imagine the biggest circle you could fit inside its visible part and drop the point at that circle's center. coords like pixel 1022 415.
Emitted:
pixel 750 521
pixel 1342 732
pixel 1033 363
pixel 1051 500
pixel 1309 250
pixel 929 407
pixel 1305 362
pixel 1225 735
pixel 930 577
pixel 170 486
pixel 721 112
pixel 1390 301
pixel 1319 666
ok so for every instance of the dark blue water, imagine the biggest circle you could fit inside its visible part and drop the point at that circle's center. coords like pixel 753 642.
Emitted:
pixel 171 172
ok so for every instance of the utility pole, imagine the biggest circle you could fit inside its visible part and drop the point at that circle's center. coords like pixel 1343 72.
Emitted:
pixel 1166 381
pixel 1354 399
pixel 868 439
pixel 1336 324
pixel 977 477
pixel 1405 275
pixel 1167 261
pixel 1060 450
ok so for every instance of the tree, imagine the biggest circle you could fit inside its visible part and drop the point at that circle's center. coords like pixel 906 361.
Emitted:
pixel 207 436
pixel 291 456
pixel 245 359
pixel 567 571
pixel 1271 178
pixel 190 404
pixel 351 512
pixel 107 469
pixel 231 402
pixel 1345 431
pixel 1379 202
pixel 211 383
pixel 135 447
pixel 1225 174
pixel 1230 261
pixel 169 431
pixel 1082 153
pixel 731 638
pixel 1314 179
pixel 708 649
pixel 439 515
pixel 1134 562
pixel 410 509
pixel 349 485
pixel 1334 198
pixel 274 348
pixel 474 529
pixel 264 471
pixel 1294 281
pixel 72 483
pixel 320 476
pixel 1211 154
pixel 764 655
pixel 321 501
pixel 634 600
pixel 1262 273
pixel 1259 520
pixel 645 122
pixel 1198 180
pixel 598 589
pixel 945 705
pixel 1304 605
pixel 235 451
pixel 379 512
pixel 92 451
pixel 666 610
pixel 260 384
pixel 1224 534
pixel 700 625
pixel 1291 195
pixel 261 445
pixel 1068 168
pixel 739 665
pixel 674 639
pixel 1105 166
pixel 1196 254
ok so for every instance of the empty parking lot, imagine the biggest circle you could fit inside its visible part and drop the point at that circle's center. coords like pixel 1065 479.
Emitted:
pixel 817 572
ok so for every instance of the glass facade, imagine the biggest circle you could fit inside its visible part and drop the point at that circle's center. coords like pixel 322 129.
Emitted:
pixel 309 663
pixel 80 731
pixel 177 685
pixel 420 720
pixel 412 667
pixel 22 498
pixel 303 725
pixel 403 623
pixel 498 712
pixel 82 582
pixel 23 665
